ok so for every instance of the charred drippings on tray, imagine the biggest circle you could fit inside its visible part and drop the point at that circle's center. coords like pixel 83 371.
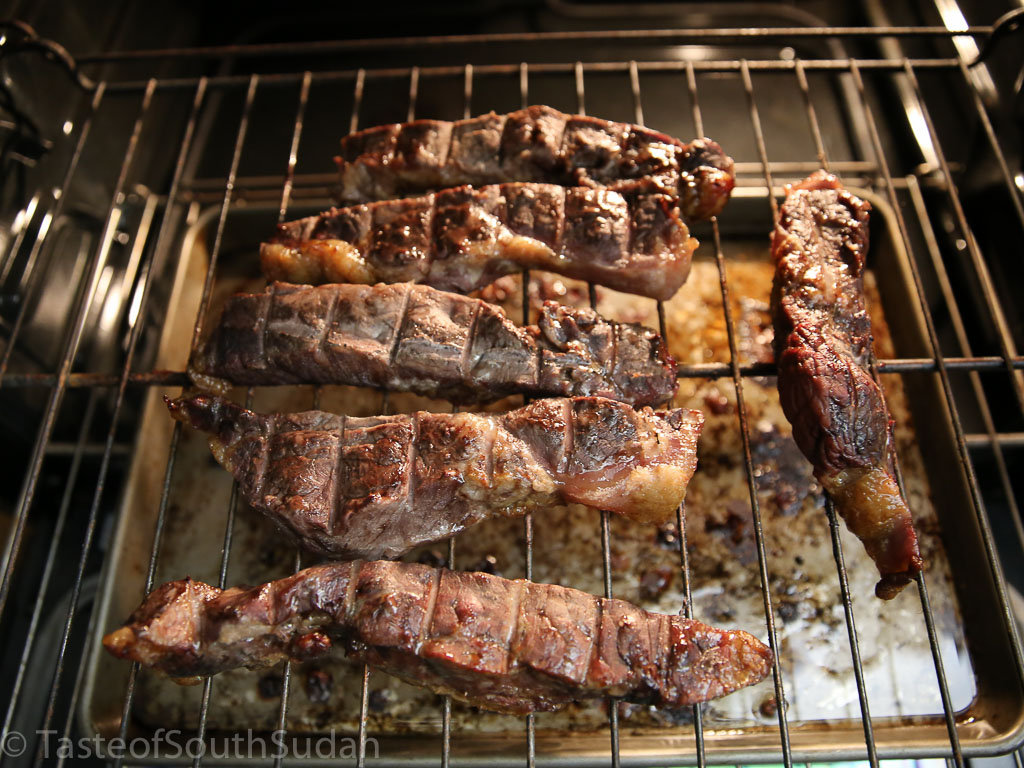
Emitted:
pixel 823 343
pixel 463 239
pixel 780 469
pixel 505 646
pixel 380 486
pixel 318 684
pixel 655 581
pixel 415 338
pixel 536 144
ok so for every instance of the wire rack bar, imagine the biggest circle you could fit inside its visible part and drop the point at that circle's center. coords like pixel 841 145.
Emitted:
pixel 958 428
pixel 833 523
pixel 755 508
pixel 163 378
pixel 1007 439
pixel 446 699
pixel 300 114
pixel 134 337
pixel 313 183
pixel 717 65
pixel 72 709
pixel 606 556
pixel 89 448
pixel 948 712
pixel 991 299
pixel 229 532
pixel 222 578
pixel 51 559
pixel 732 34
pixel 531 720
pixel 133 672
pixel 364 690
pixel 9 547
pixel 68 354
pixel 684 555
pixel 293 153
pixel 741 408
pixel 161 520
pixel 232 508
pixel 943 372
pixel 286 674
pixel 22 225
pixel 70 348
pixel 991 439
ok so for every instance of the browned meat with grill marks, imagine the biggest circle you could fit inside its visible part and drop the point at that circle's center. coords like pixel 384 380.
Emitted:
pixel 414 338
pixel 506 646
pixel 463 239
pixel 823 347
pixel 379 486
pixel 534 144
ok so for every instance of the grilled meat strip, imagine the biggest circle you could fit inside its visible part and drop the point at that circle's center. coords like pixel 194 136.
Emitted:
pixel 823 347
pixel 463 239
pixel 375 487
pixel 506 646
pixel 533 144
pixel 414 338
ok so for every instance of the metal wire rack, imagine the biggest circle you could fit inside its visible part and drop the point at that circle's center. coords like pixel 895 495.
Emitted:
pixel 903 192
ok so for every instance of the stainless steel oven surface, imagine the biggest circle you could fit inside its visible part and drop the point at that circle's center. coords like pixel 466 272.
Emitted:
pixel 148 151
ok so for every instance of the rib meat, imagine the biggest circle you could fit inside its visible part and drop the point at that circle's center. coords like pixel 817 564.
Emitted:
pixel 823 346
pixel 506 646
pixel 463 239
pixel 377 487
pixel 533 144
pixel 414 338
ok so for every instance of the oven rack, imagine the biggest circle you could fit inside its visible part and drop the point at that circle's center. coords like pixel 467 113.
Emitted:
pixel 65 686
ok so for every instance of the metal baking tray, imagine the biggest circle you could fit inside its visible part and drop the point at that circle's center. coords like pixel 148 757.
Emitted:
pixel 822 702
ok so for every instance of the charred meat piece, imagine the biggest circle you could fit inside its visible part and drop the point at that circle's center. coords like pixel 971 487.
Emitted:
pixel 379 486
pixel 534 144
pixel 463 239
pixel 413 338
pixel 823 347
pixel 506 646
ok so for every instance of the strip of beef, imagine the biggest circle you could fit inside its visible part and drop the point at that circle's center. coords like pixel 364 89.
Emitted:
pixel 533 144
pixel 414 338
pixel 463 239
pixel 347 487
pixel 823 347
pixel 506 646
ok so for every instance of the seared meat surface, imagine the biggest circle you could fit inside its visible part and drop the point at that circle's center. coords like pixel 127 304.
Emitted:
pixel 463 239
pixel 507 646
pixel 823 347
pixel 379 486
pixel 413 338
pixel 534 144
